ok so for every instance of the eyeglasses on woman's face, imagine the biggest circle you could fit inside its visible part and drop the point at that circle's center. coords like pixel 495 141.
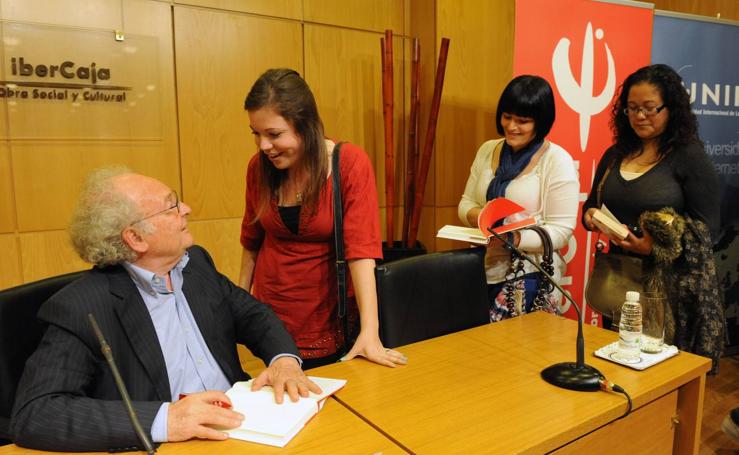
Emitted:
pixel 648 111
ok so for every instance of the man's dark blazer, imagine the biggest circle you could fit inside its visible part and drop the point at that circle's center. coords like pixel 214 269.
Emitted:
pixel 67 398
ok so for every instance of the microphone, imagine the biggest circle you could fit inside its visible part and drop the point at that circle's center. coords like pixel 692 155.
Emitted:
pixel 568 375
pixel 108 354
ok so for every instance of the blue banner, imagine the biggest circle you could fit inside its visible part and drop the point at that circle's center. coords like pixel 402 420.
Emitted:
pixel 704 52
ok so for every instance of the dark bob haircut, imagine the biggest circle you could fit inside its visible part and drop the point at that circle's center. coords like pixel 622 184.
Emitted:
pixel 528 96
pixel 682 126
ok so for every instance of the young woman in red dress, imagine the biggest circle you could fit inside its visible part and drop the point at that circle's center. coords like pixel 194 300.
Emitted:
pixel 287 232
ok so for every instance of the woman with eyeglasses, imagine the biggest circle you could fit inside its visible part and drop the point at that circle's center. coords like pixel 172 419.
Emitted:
pixel 287 233
pixel 658 165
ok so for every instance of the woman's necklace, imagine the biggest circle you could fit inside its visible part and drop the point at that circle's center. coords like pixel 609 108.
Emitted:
pixel 299 197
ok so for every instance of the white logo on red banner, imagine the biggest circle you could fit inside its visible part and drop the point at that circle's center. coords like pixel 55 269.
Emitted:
pixel 580 97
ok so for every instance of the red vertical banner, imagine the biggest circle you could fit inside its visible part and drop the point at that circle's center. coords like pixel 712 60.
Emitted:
pixel 585 49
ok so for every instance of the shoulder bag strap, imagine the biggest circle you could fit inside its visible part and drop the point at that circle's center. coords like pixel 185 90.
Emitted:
pixel 598 199
pixel 599 246
pixel 339 244
pixel 495 159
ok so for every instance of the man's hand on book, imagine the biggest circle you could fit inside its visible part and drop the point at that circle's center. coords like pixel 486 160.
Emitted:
pixel 285 375
pixel 189 417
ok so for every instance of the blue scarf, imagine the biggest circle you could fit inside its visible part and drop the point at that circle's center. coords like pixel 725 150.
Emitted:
pixel 508 168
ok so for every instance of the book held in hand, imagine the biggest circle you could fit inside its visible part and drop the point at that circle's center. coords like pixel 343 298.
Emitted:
pixel 495 210
pixel 607 223
pixel 267 422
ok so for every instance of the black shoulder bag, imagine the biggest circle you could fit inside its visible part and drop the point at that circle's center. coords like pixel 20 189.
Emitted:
pixel 339 247
pixel 613 273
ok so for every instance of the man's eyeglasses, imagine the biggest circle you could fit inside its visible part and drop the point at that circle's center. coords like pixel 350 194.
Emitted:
pixel 176 205
pixel 648 111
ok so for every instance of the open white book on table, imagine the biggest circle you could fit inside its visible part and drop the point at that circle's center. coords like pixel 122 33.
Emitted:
pixel 267 422
pixel 495 210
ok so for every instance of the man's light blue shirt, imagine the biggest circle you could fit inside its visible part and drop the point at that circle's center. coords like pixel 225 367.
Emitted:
pixel 190 365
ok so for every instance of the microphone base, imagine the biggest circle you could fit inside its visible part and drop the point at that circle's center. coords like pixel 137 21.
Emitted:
pixel 568 375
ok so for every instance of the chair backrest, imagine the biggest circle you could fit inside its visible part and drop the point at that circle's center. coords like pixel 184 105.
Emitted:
pixel 20 334
pixel 431 295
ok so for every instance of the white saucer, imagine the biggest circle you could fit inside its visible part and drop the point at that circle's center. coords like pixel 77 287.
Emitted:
pixel 645 361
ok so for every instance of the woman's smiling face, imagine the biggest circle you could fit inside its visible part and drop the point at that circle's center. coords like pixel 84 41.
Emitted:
pixel 518 131
pixel 276 138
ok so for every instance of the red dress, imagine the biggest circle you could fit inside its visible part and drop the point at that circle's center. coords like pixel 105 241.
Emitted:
pixel 296 274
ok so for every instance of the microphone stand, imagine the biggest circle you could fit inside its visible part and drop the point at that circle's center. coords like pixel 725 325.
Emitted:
pixel 568 375
pixel 107 353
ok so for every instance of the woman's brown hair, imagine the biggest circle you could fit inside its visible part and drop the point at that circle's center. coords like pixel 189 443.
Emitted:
pixel 285 92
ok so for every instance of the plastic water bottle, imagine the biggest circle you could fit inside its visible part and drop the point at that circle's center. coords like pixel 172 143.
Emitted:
pixel 630 329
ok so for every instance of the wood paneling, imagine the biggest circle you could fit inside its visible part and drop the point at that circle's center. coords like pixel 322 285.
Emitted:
pixel 48 172
pixel 480 64
pixel 7 206
pixel 291 9
pixel 344 71
pixel 221 239
pixel 74 13
pixel 10 269
pixel 215 139
pixel 375 15
pixel 48 176
pixel 447 215
pixel 46 254
pixel 729 9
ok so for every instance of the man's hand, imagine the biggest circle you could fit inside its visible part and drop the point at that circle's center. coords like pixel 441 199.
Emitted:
pixel 285 375
pixel 189 416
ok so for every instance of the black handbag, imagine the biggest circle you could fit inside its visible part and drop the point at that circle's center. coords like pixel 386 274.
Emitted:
pixel 613 274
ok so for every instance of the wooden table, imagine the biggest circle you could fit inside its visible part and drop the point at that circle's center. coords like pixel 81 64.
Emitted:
pixel 333 430
pixel 480 391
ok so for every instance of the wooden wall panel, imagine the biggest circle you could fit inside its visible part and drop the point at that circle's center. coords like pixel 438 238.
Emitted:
pixel 344 71
pixel 375 15
pixel 480 64
pixel 215 139
pixel 221 239
pixel 48 173
pixel 73 13
pixel 729 9
pixel 10 268
pixel 48 176
pixel 291 9
pixel 7 205
pixel 46 254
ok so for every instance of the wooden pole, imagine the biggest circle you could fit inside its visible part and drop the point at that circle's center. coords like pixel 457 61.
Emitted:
pixel 413 138
pixel 429 143
pixel 387 112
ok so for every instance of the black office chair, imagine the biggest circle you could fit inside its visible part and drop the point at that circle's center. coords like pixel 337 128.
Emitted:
pixel 431 295
pixel 20 334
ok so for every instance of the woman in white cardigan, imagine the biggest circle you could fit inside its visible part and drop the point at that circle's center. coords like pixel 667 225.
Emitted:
pixel 533 172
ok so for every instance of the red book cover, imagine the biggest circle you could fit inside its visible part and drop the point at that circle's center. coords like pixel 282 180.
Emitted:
pixel 498 209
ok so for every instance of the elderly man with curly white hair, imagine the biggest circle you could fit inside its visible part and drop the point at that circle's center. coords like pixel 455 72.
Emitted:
pixel 172 322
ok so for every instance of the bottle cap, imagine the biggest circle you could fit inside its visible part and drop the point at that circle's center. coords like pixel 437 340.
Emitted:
pixel 632 296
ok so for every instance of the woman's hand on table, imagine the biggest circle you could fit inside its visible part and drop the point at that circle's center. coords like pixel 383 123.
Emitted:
pixel 370 347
